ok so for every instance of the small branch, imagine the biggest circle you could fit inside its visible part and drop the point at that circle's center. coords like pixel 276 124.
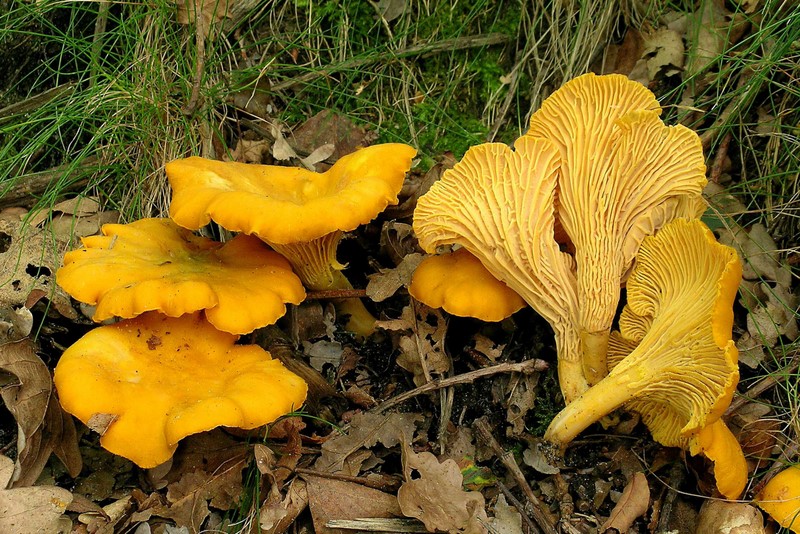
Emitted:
pixel 719 158
pixel 200 64
pixel 445 45
pixel 526 367
pixel 27 189
pixel 382 484
pixel 336 294
pixel 542 516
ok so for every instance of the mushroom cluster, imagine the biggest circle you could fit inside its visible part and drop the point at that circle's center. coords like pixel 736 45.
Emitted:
pixel 600 194
pixel 171 366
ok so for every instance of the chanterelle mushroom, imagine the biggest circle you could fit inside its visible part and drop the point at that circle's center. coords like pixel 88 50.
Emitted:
pixel 780 498
pixel 715 441
pixel 459 283
pixel 498 203
pixel 679 317
pixel 159 379
pixel 153 264
pixel 624 174
pixel 299 213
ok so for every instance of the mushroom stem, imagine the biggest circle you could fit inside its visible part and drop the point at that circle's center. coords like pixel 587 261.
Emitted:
pixel 570 368
pixel 596 402
pixel 316 265
pixel 595 348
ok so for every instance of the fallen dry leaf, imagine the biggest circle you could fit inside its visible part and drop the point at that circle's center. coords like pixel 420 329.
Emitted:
pixel 421 343
pixel 633 503
pixel 384 284
pixel 341 453
pixel 189 497
pixel 29 258
pixel 208 11
pixel 43 427
pixel 325 502
pixel 432 492
pixel 276 515
pixel 506 520
pixel 662 55
pixel 329 128
pixel 32 510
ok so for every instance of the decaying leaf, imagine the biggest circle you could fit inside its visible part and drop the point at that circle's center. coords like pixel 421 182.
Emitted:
pixel 662 55
pixel 332 129
pixel 29 257
pixel 422 350
pixel 521 394
pixel 345 453
pixel 325 502
pixel 384 284
pixel 633 503
pixel 43 427
pixel 433 493
pixel 208 11
pixel 188 499
pixel 276 515
pixel 506 520
pixel 32 510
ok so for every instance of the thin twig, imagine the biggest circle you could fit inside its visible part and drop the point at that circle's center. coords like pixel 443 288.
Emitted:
pixel 519 506
pixel 527 367
pixel 336 294
pixel 719 158
pixel 383 484
pixel 200 29
pixel 541 514
pixel 446 45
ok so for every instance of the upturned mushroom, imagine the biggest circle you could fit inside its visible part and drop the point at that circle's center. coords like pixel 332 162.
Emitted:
pixel 153 380
pixel 623 175
pixel 299 213
pixel 682 369
pixel 780 498
pixel 458 283
pixel 153 264
pixel 498 204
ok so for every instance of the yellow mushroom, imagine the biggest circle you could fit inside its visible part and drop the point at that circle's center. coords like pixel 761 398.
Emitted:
pixel 624 174
pixel 682 368
pixel 299 213
pixel 459 283
pixel 158 379
pixel 498 204
pixel 153 264
pixel 780 498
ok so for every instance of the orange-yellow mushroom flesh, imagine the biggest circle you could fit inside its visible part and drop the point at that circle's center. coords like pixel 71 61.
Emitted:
pixel 459 283
pixel 160 379
pixel 153 264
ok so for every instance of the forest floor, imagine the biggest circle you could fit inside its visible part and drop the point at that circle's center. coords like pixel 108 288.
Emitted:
pixel 95 98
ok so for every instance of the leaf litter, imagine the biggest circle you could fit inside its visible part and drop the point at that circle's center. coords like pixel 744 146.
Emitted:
pixel 388 465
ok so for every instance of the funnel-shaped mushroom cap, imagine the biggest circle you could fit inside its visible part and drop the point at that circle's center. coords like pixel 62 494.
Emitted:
pixel 162 379
pixel 715 441
pixel 153 264
pixel 459 283
pixel 624 174
pixel 680 310
pixel 286 204
pixel 498 203
pixel 780 498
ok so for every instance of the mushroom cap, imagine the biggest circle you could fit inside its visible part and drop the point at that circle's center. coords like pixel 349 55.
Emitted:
pixel 459 283
pixel 780 498
pixel 498 204
pixel 286 204
pixel 624 174
pixel 718 444
pixel 684 370
pixel 164 378
pixel 153 264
